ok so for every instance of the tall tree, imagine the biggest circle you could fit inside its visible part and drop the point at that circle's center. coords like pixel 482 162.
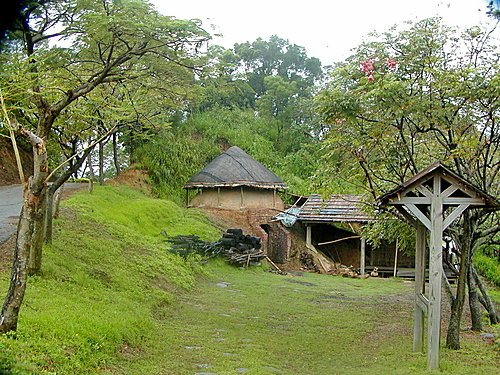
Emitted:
pixel 108 40
pixel 418 95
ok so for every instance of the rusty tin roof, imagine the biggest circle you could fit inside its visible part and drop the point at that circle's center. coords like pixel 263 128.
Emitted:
pixel 337 208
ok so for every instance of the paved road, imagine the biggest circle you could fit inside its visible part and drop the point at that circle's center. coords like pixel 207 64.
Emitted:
pixel 11 200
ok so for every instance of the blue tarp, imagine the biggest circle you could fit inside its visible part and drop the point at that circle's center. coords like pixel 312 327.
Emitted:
pixel 289 217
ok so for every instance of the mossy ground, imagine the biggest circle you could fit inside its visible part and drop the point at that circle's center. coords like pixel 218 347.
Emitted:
pixel 112 300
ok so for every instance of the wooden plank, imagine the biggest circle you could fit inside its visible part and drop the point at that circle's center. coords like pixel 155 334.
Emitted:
pixel 422 189
pixel 449 191
pixel 418 323
pixel 454 215
pixel 308 235
pixel 407 215
pixel 420 215
pixel 423 304
pixel 412 200
pixel 339 240
pixel 362 258
pixel 435 261
pixel 462 200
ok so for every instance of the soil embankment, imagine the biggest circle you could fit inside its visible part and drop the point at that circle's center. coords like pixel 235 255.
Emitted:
pixel 8 168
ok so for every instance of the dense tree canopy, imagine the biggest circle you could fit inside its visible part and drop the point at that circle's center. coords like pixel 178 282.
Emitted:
pixel 415 96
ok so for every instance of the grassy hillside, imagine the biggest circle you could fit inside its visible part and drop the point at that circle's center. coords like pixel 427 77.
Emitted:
pixel 105 279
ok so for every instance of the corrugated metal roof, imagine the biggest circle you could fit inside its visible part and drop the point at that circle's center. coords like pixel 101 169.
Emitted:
pixel 235 168
pixel 336 209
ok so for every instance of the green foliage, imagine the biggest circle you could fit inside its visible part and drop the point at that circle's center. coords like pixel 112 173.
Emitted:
pixel 104 279
pixel 488 267
pixel 173 157
pixel 388 228
pixel 415 104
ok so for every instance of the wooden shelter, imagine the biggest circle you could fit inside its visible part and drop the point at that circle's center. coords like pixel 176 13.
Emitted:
pixel 319 214
pixel 234 180
pixel 431 201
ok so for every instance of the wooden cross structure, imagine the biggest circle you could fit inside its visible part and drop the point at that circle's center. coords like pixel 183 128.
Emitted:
pixel 431 201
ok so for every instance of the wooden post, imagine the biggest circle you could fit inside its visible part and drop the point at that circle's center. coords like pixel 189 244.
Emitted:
pixel 308 235
pixel 274 198
pixel 396 259
pixel 242 202
pixel 218 197
pixel 187 198
pixel 418 323
pixel 435 259
pixel 362 256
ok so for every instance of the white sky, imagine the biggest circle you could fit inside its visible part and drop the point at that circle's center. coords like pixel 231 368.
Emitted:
pixel 328 29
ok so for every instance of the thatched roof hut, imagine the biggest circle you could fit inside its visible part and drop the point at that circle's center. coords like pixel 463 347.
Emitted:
pixel 235 180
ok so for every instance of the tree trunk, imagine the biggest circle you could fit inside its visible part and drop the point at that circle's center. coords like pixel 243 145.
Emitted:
pixel 35 195
pixel 49 216
pixel 19 274
pixel 486 300
pixel 101 163
pixel 115 154
pixel 475 308
pixel 57 201
pixel 35 258
pixel 453 334
pixel 91 173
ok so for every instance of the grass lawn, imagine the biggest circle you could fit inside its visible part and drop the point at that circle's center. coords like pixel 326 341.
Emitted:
pixel 255 322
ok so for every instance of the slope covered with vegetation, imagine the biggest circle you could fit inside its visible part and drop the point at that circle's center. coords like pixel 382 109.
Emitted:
pixel 106 278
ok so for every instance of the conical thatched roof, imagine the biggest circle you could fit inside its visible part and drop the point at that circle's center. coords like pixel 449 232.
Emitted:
pixel 235 168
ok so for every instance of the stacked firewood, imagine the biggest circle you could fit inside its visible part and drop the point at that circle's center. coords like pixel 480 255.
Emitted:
pixel 237 248
pixel 240 249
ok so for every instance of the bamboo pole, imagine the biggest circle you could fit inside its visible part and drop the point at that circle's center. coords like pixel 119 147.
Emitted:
pixel 339 240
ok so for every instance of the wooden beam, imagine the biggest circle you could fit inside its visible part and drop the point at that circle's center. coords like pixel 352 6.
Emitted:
pixel 419 214
pixel 422 304
pixel 423 189
pixel 435 261
pixel 455 214
pixel 418 323
pixel 339 240
pixel 461 200
pixel 407 215
pixel 362 257
pixel 412 200
pixel 308 235
pixel 449 191
pixel 396 259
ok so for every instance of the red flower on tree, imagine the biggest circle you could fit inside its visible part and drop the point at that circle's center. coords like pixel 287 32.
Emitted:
pixel 391 64
pixel 368 67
